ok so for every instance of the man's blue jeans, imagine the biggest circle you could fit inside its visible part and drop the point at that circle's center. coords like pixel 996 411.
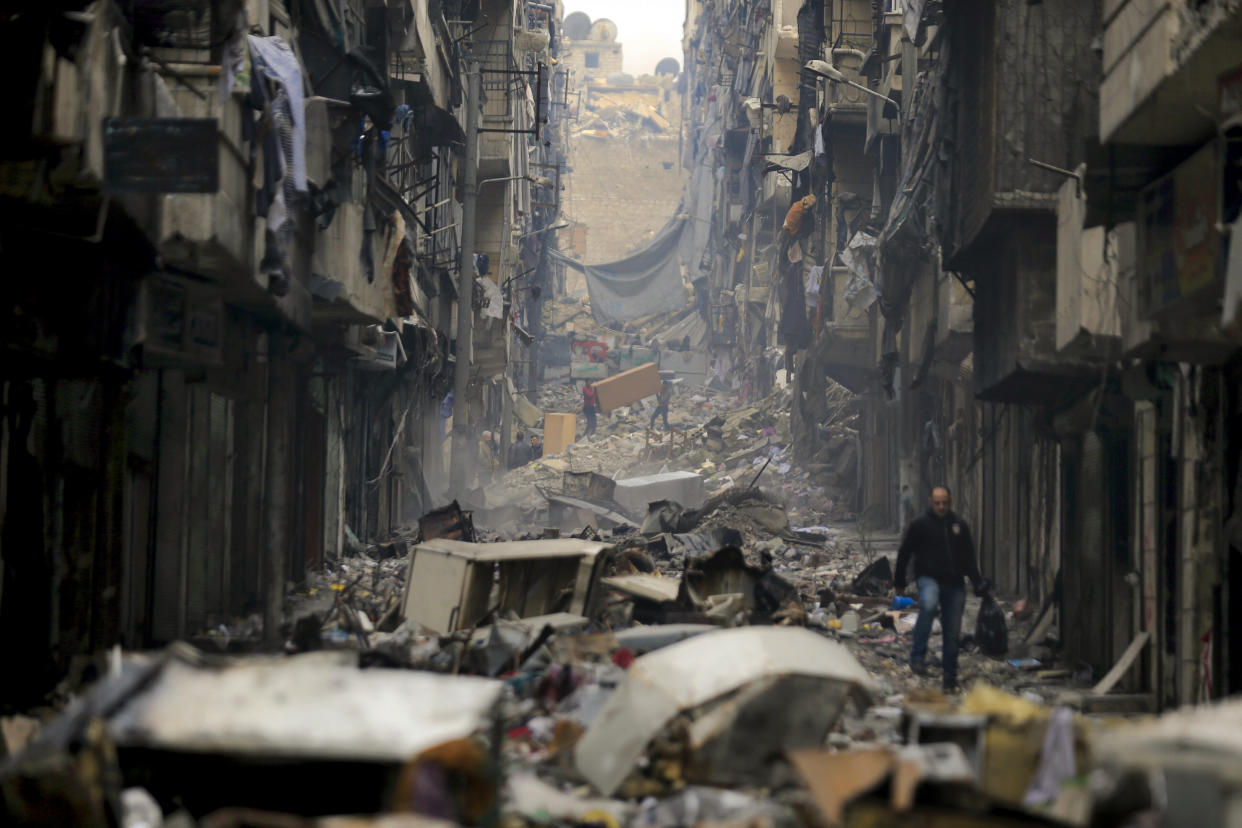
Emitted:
pixel 950 600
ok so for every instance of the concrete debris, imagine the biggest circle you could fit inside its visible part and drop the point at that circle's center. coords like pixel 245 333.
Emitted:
pixel 739 687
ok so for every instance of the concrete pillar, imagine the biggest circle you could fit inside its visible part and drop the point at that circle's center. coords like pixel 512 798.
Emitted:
pixel 278 488
pixel 334 469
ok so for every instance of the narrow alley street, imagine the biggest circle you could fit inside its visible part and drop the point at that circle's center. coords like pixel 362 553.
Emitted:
pixel 621 414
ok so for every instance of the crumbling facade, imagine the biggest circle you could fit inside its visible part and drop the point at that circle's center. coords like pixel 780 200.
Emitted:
pixel 254 214
pixel 625 183
pixel 1017 260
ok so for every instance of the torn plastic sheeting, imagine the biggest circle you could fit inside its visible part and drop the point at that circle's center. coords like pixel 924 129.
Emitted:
pixel 859 255
pixel 312 706
pixel 707 668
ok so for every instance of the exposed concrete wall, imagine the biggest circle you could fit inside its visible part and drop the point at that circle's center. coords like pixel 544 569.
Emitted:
pixel 622 192
pixel 608 57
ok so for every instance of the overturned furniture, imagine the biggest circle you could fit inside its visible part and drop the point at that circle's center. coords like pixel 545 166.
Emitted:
pixel 449 584
pixel 734 701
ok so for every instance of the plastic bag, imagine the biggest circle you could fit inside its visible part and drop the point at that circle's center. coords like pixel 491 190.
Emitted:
pixel 991 632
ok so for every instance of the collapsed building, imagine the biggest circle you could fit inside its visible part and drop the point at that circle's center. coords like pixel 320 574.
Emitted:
pixel 1020 259
pixel 245 361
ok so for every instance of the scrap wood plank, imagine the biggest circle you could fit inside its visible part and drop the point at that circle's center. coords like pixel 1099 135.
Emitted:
pixel 1123 664
pixel 648 587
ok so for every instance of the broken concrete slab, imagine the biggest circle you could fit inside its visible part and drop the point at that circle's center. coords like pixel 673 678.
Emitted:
pixel 448 583
pixel 742 678
pixel 559 503
pixel 682 487
pixel 313 706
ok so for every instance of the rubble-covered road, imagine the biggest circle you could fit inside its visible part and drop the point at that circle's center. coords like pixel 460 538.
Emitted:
pixel 650 628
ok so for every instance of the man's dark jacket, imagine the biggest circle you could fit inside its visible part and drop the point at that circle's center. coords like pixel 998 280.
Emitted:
pixel 941 548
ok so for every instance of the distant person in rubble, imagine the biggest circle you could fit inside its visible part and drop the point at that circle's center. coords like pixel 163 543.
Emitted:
pixel 662 400
pixel 938 544
pixel 519 452
pixel 536 448
pixel 589 401
pixel 487 458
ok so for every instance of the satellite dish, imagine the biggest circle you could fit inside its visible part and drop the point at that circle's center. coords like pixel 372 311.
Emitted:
pixel 576 26
pixel 668 66
pixel 604 30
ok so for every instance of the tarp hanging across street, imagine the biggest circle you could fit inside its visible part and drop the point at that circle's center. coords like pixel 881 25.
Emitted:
pixel 644 283
pixel 650 281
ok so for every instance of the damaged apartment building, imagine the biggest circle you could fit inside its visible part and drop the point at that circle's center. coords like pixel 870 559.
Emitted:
pixel 232 239
pixel 1021 258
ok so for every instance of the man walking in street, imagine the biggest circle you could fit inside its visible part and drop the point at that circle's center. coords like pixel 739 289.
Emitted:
pixel 589 400
pixel 662 401
pixel 938 542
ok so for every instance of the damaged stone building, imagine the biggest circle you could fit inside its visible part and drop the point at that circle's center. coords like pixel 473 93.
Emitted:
pixel 625 181
pixel 1020 259
pixel 232 234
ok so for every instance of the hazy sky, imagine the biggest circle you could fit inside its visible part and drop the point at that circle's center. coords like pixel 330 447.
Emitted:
pixel 648 30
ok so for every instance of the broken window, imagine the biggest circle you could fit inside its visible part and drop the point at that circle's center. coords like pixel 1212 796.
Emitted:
pixel 592 60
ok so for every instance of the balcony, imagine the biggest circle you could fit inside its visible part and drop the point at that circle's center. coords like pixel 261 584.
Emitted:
pixel 76 90
pixel 211 234
pixel 1162 67
pixel 1088 303
pixel 1170 314
pixel 218 235
pixel 341 289
pixel 846 103
pixel 845 343
pixel 1015 320
pixel 955 328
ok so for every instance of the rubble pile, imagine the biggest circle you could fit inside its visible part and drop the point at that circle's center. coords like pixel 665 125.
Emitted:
pixel 622 113
pixel 707 662
pixel 746 716
pixel 651 628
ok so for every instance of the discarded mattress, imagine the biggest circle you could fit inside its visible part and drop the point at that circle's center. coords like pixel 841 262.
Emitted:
pixel 757 692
